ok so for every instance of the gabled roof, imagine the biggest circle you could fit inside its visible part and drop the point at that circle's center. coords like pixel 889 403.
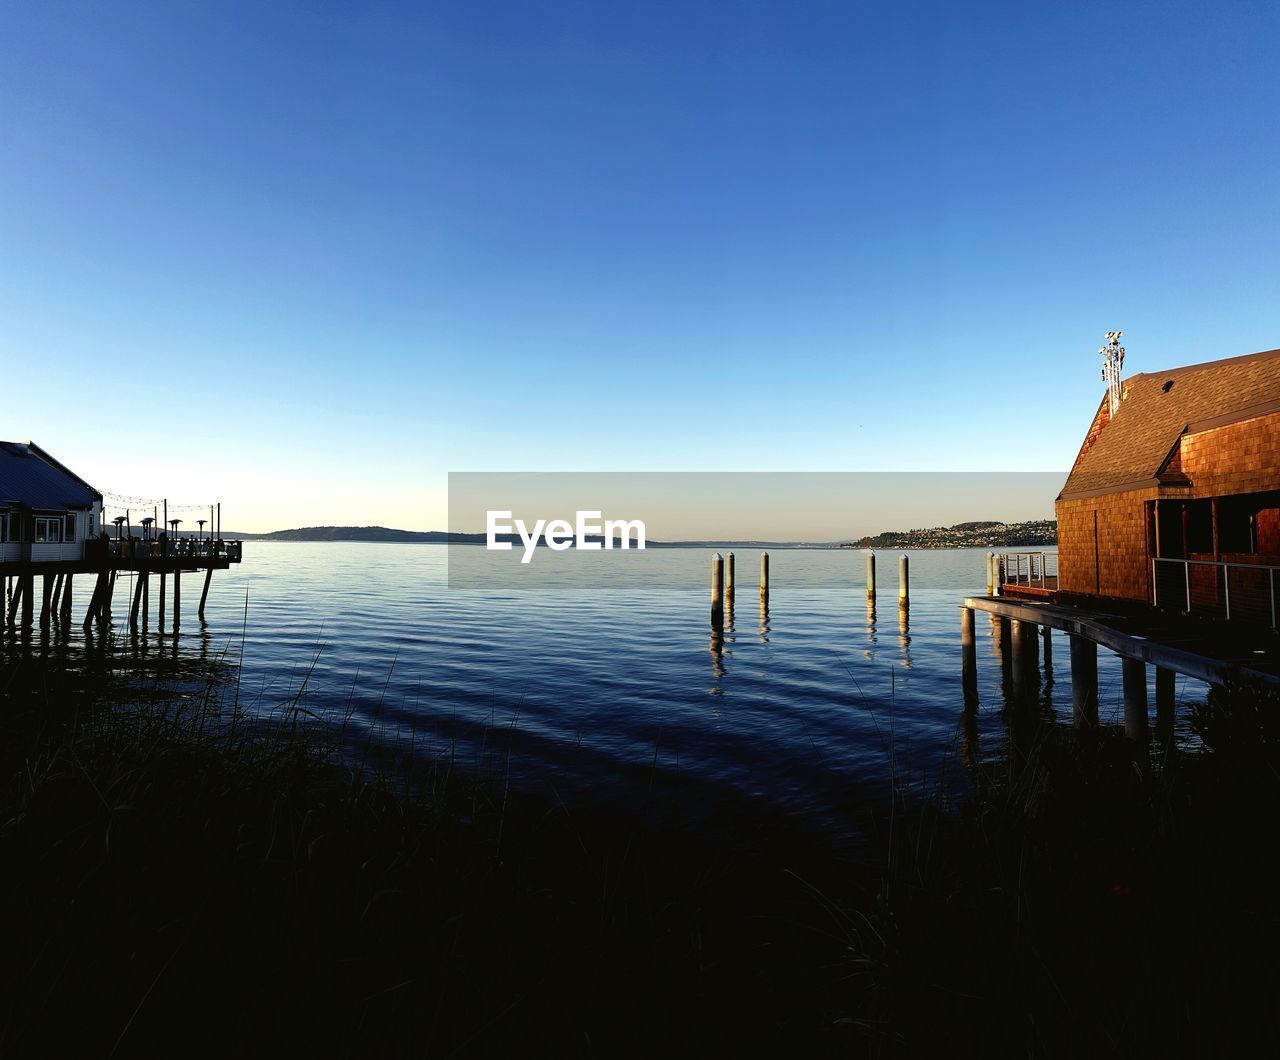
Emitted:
pixel 32 478
pixel 1129 449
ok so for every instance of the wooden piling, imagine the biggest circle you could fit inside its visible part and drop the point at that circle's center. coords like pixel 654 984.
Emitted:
pixel 204 593
pixel 764 574
pixel 177 601
pixel 1024 663
pixel 1047 637
pixel 990 576
pixel 717 591
pixel 28 601
pixel 1002 636
pixel 995 574
pixel 160 625
pixel 64 615
pixel 871 577
pixel 46 601
pixel 904 577
pixel 97 599
pixel 146 602
pixel 137 604
pixel 968 657
pixel 1134 672
pixel 1084 680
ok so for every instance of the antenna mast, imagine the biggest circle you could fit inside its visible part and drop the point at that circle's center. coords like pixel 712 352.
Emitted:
pixel 1113 354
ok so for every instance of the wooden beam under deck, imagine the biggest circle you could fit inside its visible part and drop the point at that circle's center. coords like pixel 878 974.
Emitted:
pixel 1179 651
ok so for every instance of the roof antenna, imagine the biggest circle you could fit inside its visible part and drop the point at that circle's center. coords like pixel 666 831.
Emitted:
pixel 1114 354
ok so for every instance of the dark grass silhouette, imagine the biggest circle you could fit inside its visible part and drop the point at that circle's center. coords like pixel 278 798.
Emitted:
pixel 180 876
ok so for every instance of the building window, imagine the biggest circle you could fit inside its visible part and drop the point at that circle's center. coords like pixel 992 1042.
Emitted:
pixel 70 534
pixel 1199 526
pixel 48 531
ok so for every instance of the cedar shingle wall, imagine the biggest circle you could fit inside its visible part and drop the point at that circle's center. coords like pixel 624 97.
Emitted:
pixel 1239 458
pixel 1122 562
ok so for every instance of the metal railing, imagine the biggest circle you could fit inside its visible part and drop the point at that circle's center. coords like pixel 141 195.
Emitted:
pixel 1244 591
pixel 126 548
pixel 1036 569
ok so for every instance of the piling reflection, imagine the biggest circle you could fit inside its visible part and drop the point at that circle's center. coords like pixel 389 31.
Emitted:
pixel 53 671
pixel 717 659
pixel 969 737
pixel 764 618
pixel 904 636
pixel 869 652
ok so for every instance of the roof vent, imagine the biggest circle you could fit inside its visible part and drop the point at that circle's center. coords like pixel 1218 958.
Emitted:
pixel 1168 385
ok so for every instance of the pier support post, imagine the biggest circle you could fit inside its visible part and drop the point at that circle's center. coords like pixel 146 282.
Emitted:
pixel 871 577
pixel 904 579
pixel 137 604
pixel 764 576
pixel 57 596
pixel 28 600
pixel 64 615
pixel 160 625
pixel 1047 636
pixel 110 587
pixel 968 657
pixel 95 601
pixel 1084 680
pixel 728 581
pixel 177 601
pixel 717 591
pixel 991 580
pixel 146 602
pixel 208 577
pixel 1025 663
pixel 46 601
pixel 1135 698
pixel 1001 635
pixel 995 575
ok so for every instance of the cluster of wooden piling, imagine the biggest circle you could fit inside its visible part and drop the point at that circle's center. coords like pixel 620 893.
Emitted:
pixel 1017 643
pixel 722 584
pixel 56 599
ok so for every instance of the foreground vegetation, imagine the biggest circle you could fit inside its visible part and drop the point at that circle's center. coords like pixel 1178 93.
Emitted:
pixel 181 880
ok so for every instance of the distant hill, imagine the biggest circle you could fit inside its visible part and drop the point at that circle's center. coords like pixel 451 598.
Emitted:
pixel 963 535
pixel 1039 533
pixel 356 533
pixel 383 533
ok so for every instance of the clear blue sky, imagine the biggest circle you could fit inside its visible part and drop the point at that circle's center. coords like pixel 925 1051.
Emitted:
pixel 346 248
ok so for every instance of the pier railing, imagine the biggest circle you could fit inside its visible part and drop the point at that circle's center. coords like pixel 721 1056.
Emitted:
pixel 1038 570
pixel 174 548
pixel 1227 590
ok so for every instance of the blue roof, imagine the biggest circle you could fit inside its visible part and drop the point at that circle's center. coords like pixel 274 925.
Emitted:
pixel 30 477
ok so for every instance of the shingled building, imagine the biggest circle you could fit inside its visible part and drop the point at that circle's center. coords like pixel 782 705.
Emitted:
pixel 1175 498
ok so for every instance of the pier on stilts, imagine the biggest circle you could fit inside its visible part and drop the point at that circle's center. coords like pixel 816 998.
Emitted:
pixel 104 560
pixel 1173 644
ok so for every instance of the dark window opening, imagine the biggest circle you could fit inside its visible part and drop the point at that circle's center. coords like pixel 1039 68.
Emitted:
pixel 1199 526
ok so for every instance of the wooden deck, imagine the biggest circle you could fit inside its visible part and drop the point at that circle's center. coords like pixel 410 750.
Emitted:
pixel 1206 650
pixel 156 557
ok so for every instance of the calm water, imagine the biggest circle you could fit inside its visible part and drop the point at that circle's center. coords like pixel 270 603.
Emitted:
pixel 598 671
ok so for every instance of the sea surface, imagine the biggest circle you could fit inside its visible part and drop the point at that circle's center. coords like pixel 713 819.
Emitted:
pixel 597 675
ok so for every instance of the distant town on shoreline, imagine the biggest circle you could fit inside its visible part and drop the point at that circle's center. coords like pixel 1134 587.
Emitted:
pixel 982 534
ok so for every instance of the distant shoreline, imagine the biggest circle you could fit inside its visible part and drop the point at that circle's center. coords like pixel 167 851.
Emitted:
pixel 1037 533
